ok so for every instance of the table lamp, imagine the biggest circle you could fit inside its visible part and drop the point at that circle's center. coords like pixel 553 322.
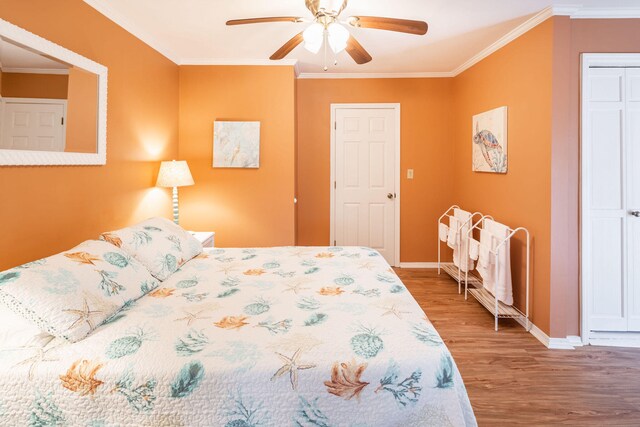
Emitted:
pixel 174 174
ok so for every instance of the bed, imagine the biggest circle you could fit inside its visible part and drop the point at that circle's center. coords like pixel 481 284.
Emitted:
pixel 286 336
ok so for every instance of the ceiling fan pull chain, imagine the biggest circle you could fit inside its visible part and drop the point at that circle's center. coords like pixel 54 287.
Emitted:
pixel 326 42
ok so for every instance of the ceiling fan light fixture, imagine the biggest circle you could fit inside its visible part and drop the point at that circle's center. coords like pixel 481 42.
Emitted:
pixel 338 37
pixel 313 37
pixel 331 6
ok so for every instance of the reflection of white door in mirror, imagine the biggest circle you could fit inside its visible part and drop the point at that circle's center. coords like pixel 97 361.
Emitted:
pixel 53 103
pixel 33 124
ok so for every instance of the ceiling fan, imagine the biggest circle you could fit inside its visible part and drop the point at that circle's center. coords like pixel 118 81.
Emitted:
pixel 327 29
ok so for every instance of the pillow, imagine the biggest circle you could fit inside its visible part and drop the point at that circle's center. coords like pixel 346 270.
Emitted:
pixel 70 294
pixel 17 332
pixel 159 244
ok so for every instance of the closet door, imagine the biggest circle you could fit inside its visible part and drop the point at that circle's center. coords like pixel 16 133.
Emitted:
pixel 632 144
pixel 605 200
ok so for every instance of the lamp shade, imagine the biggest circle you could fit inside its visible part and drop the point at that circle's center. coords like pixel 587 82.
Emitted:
pixel 174 174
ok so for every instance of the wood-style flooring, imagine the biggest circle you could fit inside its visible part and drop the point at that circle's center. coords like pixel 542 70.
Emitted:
pixel 512 379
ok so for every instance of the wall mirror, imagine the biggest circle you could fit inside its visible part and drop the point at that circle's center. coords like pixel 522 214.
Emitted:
pixel 53 103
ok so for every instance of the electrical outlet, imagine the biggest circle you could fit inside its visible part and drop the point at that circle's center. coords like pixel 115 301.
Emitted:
pixel 409 173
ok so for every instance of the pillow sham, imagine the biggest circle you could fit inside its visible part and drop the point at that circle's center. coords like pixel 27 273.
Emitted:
pixel 17 332
pixel 70 294
pixel 159 244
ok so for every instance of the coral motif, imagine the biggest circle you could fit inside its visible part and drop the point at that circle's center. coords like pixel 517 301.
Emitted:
pixel 325 255
pixel 141 397
pixel 111 238
pixel 228 293
pixel 309 415
pixel 346 380
pixel 108 285
pixel 291 366
pixel 194 342
pixel 254 272
pixel 404 392
pixel 315 319
pixel 116 259
pixel 329 291
pixel 162 293
pixel 9 277
pixel 81 377
pixel 308 303
pixel 426 335
pixel 232 322
pixel 83 258
pixel 276 328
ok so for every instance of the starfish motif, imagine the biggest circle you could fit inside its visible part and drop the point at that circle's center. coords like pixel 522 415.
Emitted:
pixel 84 315
pixel 367 265
pixel 292 366
pixel 193 317
pixel 39 357
pixel 296 287
pixel 228 268
pixel 393 310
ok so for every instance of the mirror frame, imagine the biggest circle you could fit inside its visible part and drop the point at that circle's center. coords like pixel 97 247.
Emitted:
pixel 49 158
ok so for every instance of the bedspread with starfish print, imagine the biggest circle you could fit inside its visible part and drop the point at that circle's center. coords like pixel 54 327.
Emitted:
pixel 249 337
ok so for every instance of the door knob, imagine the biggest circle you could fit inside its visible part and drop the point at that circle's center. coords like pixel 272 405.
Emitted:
pixel 635 213
pixel 392 196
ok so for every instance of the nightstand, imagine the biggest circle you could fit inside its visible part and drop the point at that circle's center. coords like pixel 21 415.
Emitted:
pixel 204 237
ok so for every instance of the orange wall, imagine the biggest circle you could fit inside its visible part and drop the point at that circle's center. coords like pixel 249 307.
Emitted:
pixel 572 38
pixel 24 85
pixel 49 209
pixel 518 76
pixel 245 207
pixel 82 112
pixel 425 147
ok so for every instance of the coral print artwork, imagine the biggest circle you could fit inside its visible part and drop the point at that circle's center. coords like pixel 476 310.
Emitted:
pixel 236 145
pixel 490 141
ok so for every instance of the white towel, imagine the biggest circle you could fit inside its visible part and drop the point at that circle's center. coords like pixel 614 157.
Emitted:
pixel 501 286
pixel 461 249
pixel 485 258
pixel 474 249
pixel 452 238
pixel 443 232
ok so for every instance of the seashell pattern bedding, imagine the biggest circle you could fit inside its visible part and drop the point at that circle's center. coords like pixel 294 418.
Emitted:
pixel 248 337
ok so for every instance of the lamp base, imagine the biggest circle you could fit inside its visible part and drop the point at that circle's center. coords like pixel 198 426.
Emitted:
pixel 176 212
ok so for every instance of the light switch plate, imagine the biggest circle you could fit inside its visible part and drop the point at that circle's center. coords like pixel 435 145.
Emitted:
pixel 409 173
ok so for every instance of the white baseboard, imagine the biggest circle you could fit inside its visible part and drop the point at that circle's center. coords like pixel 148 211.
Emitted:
pixel 615 339
pixel 568 343
pixel 418 265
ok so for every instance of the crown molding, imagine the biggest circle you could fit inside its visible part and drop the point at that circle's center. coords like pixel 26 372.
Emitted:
pixel 606 13
pixel 375 75
pixel 57 71
pixel 103 7
pixel 259 62
pixel 506 39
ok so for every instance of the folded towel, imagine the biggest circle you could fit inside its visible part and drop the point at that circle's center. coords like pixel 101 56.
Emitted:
pixel 461 250
pixel 500 286
pixel 452 238
pixel 443 232
pixel 474 249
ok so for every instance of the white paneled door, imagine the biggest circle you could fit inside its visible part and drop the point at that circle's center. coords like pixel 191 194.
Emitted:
pixel 611 198
pixel 34 125
pixel 365 179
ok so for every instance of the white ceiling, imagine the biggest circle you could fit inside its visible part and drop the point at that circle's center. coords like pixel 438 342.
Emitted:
pixel 194 31
pixel 14 57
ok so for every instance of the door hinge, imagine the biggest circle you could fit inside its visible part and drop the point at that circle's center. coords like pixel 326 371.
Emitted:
pixel 62 121
pixel 335 185
pixel 335 125
pixel 334 243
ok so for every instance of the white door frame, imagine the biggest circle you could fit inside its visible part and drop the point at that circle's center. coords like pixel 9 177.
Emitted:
pixel 396 108
pixel 592 60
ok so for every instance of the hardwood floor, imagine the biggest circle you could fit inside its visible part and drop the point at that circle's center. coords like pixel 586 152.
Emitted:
pixel 512 379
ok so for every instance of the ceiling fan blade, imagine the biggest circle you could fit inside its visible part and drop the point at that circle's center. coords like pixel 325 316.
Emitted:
pixel 357 52
pixel 287 47
pixel 294 19
pixel 419 28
